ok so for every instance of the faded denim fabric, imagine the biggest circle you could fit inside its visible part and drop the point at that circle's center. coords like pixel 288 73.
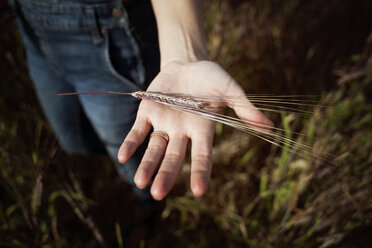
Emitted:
pixel 90 45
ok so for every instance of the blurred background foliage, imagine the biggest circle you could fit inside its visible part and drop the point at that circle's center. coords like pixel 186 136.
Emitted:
pixel 259 196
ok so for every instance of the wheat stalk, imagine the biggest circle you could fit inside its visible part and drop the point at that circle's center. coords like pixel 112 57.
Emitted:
pixel 209 106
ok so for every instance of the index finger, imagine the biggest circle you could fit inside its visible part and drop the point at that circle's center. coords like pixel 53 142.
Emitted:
pixel 134 139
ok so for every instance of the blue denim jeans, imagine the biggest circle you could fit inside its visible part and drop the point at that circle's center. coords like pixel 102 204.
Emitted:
pixel 91 45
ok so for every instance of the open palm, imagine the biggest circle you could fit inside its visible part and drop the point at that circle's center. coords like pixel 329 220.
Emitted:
pixel 166 159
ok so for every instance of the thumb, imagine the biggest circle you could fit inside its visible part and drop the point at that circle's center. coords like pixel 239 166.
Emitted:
pixel 246 110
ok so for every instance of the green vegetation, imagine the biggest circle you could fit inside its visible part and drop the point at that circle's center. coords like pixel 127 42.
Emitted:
pixel 259 196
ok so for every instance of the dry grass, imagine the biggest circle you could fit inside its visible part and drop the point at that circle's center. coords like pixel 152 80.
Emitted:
pixel 260 196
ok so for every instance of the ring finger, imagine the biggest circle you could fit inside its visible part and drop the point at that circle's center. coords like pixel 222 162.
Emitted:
pixel 151 160
pixel 170 167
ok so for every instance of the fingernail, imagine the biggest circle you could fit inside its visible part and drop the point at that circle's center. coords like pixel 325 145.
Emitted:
pixel 140 187
pixel 156 195
pixel 121 159
pixel 197 191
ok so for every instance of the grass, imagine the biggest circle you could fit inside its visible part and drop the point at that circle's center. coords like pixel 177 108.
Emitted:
pixel 259 195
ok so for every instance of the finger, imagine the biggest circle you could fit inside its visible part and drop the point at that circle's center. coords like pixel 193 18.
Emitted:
pixel 150 161
pixel 170 167
pixel 201 163
pixel 247 111
pixel 252 116
pixel 134 139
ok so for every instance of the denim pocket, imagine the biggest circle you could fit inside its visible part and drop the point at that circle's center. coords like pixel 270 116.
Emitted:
pixel 81 40
pixel 122 56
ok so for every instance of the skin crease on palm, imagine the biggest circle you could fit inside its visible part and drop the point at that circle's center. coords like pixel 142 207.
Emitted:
pixel 184 69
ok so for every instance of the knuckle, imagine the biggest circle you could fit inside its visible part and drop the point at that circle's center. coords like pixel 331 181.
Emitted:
pixel 146 169
pixel 135 132
pixel 146 163
pixel 155 148
pixel 173 156
pixel 128 144
pixel 202 157
pixel 203 172
pixel 168 175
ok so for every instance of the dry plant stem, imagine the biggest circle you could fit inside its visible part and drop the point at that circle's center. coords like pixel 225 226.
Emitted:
pixel 79 209
pixel 208 107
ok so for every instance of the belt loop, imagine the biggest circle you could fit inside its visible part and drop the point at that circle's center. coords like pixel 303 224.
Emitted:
pixel 123 20
pixel 92 19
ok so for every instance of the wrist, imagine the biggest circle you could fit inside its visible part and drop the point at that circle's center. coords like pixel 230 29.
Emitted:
pixel 183 48
pixel 180 29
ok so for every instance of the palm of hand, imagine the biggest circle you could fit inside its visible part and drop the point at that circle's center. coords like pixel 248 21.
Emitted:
pixel 197 78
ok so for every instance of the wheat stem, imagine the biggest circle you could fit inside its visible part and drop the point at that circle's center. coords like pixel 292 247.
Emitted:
pixel 207 106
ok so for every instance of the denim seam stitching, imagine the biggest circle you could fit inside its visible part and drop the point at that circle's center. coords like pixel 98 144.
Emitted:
pixel 95 32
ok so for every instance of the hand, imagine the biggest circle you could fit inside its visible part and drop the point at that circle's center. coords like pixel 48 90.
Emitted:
pixel 198 78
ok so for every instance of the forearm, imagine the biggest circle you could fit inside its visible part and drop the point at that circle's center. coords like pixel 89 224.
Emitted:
pixel 181 31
